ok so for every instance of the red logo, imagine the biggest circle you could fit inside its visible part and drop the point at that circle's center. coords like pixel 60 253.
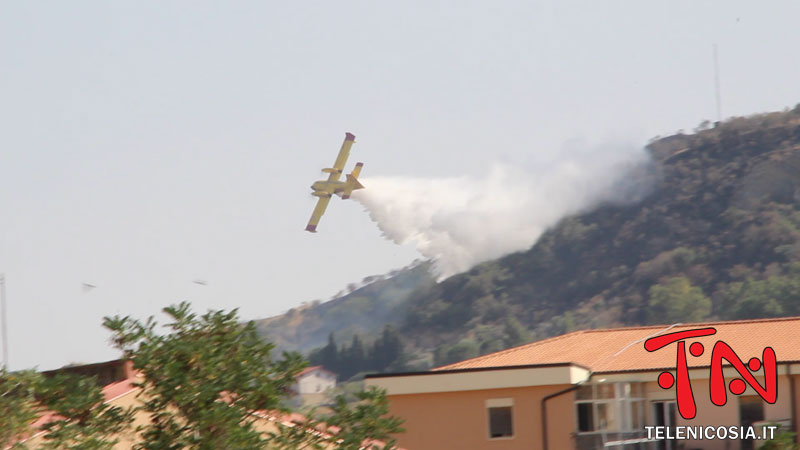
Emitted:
pixel 721 350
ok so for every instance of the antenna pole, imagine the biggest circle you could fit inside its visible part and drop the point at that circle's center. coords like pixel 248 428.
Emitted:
pixel 4 319
pixel 716 84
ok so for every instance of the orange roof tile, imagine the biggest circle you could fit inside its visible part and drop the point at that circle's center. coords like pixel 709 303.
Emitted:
pixel 622 349
pixel 311 369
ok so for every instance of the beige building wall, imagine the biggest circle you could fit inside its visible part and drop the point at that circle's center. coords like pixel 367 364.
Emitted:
pixel 460 420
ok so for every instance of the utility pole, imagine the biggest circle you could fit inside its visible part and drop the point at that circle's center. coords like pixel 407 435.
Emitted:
pixel 716 85
pixel 3 318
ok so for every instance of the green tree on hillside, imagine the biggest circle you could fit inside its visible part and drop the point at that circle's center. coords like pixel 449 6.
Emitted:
pixel 385 353
pixel 464 349
pixel 329 354
pixel 515 333
pixel 356 355
pixel 677 300
pixel 775 296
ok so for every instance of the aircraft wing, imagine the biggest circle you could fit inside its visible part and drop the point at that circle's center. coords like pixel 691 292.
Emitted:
pixel 319 210
pixel 341 158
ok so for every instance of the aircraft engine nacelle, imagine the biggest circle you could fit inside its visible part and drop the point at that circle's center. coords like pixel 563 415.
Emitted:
pixel 331 170
pixel 320 194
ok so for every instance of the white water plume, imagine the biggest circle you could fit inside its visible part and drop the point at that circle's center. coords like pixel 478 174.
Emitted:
pixel 461 221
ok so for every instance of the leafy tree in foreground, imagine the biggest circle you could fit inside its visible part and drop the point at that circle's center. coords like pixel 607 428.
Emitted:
pixel 18 406
pixel 367 419
pixel 209 380
pixel 83 421
pixel 349 427
pixel 80 418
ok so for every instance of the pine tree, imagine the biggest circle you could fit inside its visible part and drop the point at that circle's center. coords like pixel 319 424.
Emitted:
pixel 329 358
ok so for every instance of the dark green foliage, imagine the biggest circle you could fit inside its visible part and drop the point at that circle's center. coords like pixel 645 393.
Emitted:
pixel 354 355
pixel 18 405
pixel 209 382
pixel 385 353
pixel 463 349
pixel 327 356
pixel 204 378
pixel 515 333
pixel 677 301
pixel 367 417
pixel 784 440
pixel 777 295
pixel 347 425
pixel 80 418
pixel 83 421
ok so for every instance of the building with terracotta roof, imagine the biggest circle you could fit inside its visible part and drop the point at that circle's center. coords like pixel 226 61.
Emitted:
pixel 314 380
pixel 601 389
pixel 313 386
pixel 120 386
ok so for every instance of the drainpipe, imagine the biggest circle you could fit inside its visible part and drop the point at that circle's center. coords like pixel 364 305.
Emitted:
pixel 794 402
pixel 553 395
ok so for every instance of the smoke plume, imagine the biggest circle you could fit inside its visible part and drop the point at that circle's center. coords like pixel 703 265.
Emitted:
pixel 461 221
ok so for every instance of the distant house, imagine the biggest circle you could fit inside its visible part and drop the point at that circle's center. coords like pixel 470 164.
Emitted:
pixel 314 380
pixel 601 389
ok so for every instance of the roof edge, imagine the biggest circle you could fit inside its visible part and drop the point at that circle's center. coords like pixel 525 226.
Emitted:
pixel 691 324
pixel 474 369
pixel 604 330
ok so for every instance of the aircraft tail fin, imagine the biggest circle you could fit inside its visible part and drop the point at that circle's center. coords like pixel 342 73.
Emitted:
pixel 352 182
pixel 357 170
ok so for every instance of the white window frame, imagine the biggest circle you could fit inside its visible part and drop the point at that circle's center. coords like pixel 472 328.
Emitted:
pixel 620 405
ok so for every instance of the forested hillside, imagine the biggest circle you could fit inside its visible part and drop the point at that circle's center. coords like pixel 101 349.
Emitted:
pixel 363 309
pixel 719 237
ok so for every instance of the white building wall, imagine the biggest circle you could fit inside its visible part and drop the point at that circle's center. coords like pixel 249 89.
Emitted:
pixel 315 382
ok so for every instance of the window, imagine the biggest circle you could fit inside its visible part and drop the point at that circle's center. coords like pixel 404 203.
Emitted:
pixel 610 407
pixel 607 412
pixel 585 417
pixel 664 415
pixel 751 410
pixel 500 417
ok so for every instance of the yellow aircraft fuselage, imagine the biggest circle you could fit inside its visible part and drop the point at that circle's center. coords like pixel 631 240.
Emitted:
pixel 324 189
pixel 327 188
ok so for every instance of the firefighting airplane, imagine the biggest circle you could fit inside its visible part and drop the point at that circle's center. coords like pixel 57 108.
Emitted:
pixel 325 188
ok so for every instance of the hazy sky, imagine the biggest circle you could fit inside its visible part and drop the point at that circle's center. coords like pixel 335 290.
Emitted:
pixel 144 145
